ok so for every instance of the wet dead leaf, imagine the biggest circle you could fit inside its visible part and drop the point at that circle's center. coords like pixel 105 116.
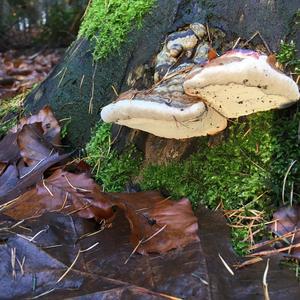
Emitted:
pixel 49 124
pixel 193 272
pixel 66 192
pixel 9 149
pixel 33 145
pixel 288 221
pixel 17 180
pixel 19 72
pixel 157 224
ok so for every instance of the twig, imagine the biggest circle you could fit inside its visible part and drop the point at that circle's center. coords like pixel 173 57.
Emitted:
pixel 264 42
pixel 79 209
pixel 62 77
pixel 226 265
pixel 80 86
pixel 76 48
pixel 86 10
pixel 154 234
pixel 265 243
pixel 103 226
pixel 265 284
pixel 93 90
pixel 169 297
pixel 21 265
pixel 254 163
pixel 208 34
pixel 17 224
pixel 63 205
pixel 292 241
pixel 21 177
pixel 75 260
pixel 48 190
pixel 37 234
pixel 52 246
pixel 43 294
pixel 117 135
pixel 133 251
pixel 114 90
pixel 201 279
pixel 292 194
pixel 270 252
pixel 236 43
pixel 248 262
pixel 13 262
pixel 76 188
pixel 142 241
pixel 7 204
pixel 285 178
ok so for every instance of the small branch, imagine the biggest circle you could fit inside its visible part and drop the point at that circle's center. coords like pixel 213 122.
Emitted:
pixel 265 284
pixel 285 178
pixel 226 265
pixel 74 261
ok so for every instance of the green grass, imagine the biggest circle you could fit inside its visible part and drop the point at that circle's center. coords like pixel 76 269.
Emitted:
pixel 110 169
pixel 108 22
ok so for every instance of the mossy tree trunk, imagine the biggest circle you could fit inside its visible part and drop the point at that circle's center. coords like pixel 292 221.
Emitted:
pixel 79 86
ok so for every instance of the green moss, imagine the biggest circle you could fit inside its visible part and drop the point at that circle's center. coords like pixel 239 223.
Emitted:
pixel 239 240
pixel 248 168
pixel 108 22
pixel 287 56
pixel 10 111
pixel 111 169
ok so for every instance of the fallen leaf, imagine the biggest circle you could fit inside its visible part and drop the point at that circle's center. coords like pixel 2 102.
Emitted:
pixel 9 149
pixel 15 181
pixel 20 73
pixel 51 243
pixel 66 192
pixel 287 221
pixel 2 167
pixel 157 224
pixel 49 124
pixel 33 145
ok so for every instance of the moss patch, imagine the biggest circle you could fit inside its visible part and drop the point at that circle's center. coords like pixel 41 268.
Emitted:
pixel 111 169
pixel 108 22
pixel 287 56
pixel 248 168
pixel 10 111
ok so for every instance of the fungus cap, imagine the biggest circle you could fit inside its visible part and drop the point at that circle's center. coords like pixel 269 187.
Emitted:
pixel 162 119
pixel 241 82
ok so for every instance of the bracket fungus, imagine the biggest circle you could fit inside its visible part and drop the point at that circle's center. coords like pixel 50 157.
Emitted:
pixel 195 96
pixel 165 111
pixel 241 82
pixel 178 45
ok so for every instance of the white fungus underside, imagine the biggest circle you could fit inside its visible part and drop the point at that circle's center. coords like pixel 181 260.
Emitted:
pixel 210 123
pixel 235 100
pixel 250 72
pixel 141 109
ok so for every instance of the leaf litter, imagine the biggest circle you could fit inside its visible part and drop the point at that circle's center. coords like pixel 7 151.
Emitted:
pixel 62 236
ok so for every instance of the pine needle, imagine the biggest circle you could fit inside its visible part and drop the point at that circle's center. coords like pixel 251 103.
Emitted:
pixel 226 265
pixel 265 284
pixel 75 260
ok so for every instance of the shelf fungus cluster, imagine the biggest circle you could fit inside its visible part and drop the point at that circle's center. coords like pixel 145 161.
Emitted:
pixel 197 99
